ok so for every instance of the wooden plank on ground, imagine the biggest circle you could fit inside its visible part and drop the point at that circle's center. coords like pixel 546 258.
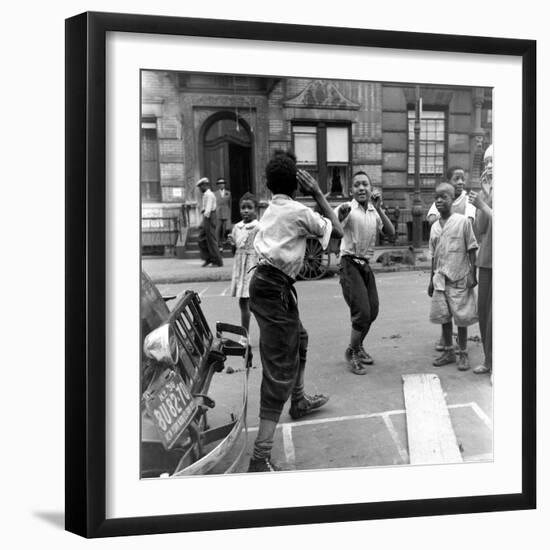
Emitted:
pixel 430 433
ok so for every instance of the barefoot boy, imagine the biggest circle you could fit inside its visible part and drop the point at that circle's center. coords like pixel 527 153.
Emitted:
pixel 453 248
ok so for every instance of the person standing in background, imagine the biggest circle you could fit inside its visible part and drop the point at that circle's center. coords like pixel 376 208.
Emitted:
pixel 483 227
pixel 453 248
pixel 457 178
pixel 242 238
pixel 208 244
pixel 223 211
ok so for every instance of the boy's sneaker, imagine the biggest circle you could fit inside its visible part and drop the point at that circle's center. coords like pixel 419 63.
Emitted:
pixel 262 465
pixel 365 357
pixel 463 360
pixel 446 358
pixel 355 364
pixel 306 405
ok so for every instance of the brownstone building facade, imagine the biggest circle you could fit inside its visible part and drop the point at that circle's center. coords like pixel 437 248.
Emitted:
pixel 196 125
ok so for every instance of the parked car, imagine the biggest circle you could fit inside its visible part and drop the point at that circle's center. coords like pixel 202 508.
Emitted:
pixel 180 357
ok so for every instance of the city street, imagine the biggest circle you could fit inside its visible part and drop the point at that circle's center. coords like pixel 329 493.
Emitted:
pixel 364 422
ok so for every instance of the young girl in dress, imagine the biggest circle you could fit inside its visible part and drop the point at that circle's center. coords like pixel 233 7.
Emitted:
pixel 242 238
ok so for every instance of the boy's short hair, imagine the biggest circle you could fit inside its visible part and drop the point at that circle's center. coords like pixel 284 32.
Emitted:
pixel 361 173
pixel 280 173
pixel 451 170
pixel 249 197
pixel 442 187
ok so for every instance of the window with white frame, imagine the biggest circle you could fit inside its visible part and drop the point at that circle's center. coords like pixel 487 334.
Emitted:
pixel 433 134
pixel 323 149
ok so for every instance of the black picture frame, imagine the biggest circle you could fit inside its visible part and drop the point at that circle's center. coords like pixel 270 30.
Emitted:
pixel 86 273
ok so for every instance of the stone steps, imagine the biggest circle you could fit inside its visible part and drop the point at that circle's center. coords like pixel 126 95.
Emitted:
pixel 192 251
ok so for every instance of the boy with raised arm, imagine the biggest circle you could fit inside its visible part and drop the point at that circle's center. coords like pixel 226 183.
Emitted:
pixel 280 244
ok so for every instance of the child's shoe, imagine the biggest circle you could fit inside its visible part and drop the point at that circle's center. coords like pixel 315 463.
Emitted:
pixel 446 358
pixel 355 364
pixel 482 369
pixel 463 360
pixel 307 405
pixel 262 465
pixel 365 357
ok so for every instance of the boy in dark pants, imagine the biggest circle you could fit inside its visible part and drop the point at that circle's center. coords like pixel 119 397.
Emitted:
pixel 280 244
pixel 208 244
pixel 361 220
pixel 484 231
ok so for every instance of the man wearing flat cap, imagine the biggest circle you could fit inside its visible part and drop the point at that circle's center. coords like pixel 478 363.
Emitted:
pixel 208 244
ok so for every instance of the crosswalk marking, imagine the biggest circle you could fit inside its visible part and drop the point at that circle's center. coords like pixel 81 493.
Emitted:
pixel 477 409
pixel 288 445
pixel 395 437
pixel 201 293
pixel 288 442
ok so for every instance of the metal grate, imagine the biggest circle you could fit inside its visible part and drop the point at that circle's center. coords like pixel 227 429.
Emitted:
pixel 194 340
pixel 159 231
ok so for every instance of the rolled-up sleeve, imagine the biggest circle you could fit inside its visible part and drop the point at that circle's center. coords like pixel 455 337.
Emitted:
pixel 317 226
pixel 469 236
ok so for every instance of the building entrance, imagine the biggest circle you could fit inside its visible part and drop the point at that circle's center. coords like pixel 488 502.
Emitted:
pixel 227 153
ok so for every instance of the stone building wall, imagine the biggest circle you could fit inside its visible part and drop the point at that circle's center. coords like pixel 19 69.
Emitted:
pixel 376 112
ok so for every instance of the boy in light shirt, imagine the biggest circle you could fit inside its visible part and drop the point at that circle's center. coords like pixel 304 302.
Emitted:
pixel 461 205
pixel 280 244
pixel 361 220
pixel 453 248
pixel 456 177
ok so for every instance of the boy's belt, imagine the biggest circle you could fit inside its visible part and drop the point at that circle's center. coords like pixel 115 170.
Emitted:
pixel 357 259
pixel 268 270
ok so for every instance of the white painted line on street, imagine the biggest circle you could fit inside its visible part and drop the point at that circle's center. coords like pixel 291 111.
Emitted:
pixel 201 293
pixel 391 428
pixel 225 291
pixel 341 418
pixel 288 445
pixel 477 409
pixel 355 417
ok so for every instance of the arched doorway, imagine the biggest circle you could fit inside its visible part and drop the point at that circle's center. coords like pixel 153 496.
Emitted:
pixel 227 153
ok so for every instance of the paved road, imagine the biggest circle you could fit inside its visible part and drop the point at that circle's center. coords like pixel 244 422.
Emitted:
pixel 364 422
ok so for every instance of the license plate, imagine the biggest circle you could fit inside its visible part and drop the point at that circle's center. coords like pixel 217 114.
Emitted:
pixel 171 407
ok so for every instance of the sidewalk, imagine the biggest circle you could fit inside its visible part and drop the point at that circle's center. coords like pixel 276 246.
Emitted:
pixel 173 270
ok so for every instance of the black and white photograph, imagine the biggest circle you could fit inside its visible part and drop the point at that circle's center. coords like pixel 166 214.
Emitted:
pixel 233 317
pixel 316 274
pixel 282 237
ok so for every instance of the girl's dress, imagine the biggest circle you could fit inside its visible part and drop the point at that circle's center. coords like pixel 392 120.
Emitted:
pixel 245 257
